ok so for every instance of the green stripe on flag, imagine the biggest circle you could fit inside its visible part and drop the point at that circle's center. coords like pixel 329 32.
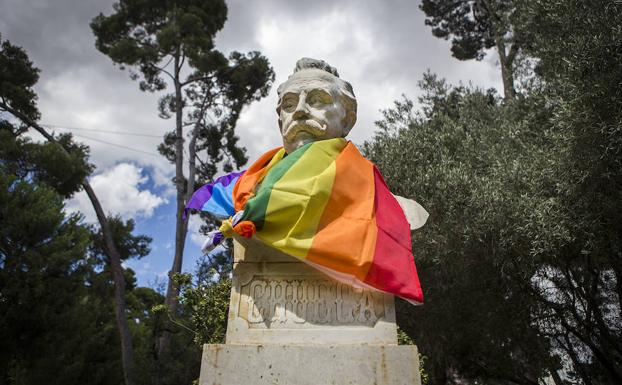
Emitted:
pixel 299 197
pixel 255 209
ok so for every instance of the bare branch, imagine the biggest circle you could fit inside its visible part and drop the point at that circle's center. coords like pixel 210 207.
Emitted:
pixel 181 64
pixel 196 79
pixel 512 54
pixel 162 70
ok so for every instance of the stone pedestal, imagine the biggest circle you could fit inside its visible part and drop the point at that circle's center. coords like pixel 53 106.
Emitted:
pixel 290 324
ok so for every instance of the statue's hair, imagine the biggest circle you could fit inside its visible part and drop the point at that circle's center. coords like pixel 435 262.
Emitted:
pixel 345 89
pixel 308 63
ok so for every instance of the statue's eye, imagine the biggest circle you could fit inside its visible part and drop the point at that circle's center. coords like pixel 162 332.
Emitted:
pixel 315 101
pixel 289 104
pixel 318 99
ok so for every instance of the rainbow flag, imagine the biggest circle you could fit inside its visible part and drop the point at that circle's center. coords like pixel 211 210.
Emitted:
pixel 326 205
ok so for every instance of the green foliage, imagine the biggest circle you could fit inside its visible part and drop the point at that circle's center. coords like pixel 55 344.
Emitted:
pixel 404 339
pixel 57 321
pixel 128 245
pixel 209 306
pixel 580 63
pixel 178 366
pixel 55 325
pixel 577 45
pixel 483 170
pixel 425 378
pixel 215 266
pixel 50 321
pixel 17 77
pixel 20 156
pixel 64 173
pixel 142 33
pixel 520 259
pixel 205 300
pixel 223 92
pixel 173 41
pixel 473 26
pixel 56 310
pixel 159 38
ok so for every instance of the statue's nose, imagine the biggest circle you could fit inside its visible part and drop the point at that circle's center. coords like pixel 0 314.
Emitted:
pixel 301 114
pixel 301 110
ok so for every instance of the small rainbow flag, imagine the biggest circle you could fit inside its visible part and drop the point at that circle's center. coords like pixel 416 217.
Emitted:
pixel 324 204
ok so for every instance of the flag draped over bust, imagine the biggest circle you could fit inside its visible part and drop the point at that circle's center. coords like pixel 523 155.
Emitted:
pixel 324 204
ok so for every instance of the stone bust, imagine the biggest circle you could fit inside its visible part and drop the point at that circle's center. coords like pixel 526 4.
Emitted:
pixel 315 104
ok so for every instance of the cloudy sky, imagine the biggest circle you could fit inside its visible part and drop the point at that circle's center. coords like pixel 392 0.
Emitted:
pixel 381 47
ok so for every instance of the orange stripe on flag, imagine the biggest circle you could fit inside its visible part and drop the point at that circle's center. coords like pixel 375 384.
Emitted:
pixel 346 234
pixel 244 188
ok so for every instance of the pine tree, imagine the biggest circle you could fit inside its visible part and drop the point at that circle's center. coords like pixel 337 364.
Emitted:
pixel 474 26
pixel 61 162
pixel 162 41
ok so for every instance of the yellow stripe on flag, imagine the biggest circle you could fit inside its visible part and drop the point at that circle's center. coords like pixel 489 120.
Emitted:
pixel 299 198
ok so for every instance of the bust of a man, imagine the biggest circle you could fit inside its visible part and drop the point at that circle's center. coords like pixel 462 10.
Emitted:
pixel 317 198
pixel 315 104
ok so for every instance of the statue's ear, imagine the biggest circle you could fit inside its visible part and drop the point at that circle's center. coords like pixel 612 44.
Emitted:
pixel 348 122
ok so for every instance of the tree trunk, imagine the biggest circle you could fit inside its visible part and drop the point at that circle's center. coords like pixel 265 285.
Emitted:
pixel 192 151
pixel 127 350
pixel 439 374
pixel 508 82
pixel 556 377
pixel 507 71
pixel 618 274
pixel 181 226
pixel 612 369
pixel 506 59
pixel 567 345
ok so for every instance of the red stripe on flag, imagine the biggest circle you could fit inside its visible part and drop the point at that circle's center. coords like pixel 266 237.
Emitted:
pixel 393 269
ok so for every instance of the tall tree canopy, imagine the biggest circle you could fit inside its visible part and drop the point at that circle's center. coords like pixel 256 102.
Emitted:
pixel 173 42
pixel 522 249
pixel 17 77
pixel 475 166
pixel 475 26
pixel 40 274
pixel 51 316
pixel 579 51
pixel 57 319
pixel 61 164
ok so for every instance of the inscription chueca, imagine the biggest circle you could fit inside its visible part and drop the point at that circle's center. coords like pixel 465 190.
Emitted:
pixel 290 303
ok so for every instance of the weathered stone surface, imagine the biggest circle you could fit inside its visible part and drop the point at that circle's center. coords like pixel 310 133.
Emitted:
pixel 309 365
pixel 277 299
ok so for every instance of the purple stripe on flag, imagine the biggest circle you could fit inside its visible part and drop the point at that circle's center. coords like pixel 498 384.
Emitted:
pixel 218 238
pixel 204 194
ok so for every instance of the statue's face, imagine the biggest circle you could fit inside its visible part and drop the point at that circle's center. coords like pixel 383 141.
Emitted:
pixel 310 109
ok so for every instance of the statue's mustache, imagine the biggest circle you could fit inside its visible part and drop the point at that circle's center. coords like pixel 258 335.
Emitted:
pixel 308 125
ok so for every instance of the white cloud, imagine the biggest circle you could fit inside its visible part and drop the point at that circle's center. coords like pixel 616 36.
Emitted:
pixel 112 114
pixel 118 190
pixel 382 51
pixel 194 225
